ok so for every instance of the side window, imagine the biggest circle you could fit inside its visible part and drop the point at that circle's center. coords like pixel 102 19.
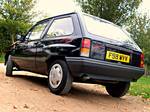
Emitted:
pixel 61 27
pixel 36 32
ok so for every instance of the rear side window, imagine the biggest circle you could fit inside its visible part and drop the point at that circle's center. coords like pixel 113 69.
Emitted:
pixel 61 27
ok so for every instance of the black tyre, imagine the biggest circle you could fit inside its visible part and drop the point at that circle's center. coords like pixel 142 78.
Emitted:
pixel 59 78
pixel 9 67
pixel 119 89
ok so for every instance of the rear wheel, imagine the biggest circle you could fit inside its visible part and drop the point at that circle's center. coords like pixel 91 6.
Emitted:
pixel 59 78
pixel 119 89
pixel 9 67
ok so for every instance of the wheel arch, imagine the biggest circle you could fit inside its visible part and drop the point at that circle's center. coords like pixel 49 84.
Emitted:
pixel 53 58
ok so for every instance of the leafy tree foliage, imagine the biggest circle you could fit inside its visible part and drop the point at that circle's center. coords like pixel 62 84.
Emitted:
pixel 15 18
pixel 140 30
pixel 117 11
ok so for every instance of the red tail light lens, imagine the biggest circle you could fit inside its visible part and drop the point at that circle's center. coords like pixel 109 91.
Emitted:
pixel 142 61
pixel 85 48
pixel 86 43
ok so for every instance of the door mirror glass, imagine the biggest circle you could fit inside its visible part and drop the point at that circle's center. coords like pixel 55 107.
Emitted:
pixel 19 37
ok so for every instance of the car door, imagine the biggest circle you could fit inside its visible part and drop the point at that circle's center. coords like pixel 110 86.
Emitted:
pixel 60 31
pixel 25 51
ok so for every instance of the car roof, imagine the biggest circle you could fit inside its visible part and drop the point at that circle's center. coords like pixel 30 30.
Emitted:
pixel 57 16
pixel 79 13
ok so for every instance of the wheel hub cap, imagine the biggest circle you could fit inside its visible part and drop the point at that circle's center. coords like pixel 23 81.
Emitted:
pixel 55 75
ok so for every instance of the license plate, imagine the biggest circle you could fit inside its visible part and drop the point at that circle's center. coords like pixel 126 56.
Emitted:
pixel 110 55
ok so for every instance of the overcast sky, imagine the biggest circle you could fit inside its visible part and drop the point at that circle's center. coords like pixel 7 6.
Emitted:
pixel 55 7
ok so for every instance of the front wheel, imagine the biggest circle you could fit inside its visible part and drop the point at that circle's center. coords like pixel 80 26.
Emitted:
pixel 59 78
pixel 9 67
pixel 119 89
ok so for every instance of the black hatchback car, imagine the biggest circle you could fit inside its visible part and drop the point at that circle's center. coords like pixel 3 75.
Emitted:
pixel 78 47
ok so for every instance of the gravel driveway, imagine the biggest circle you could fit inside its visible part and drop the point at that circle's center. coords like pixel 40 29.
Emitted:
pixel 27 92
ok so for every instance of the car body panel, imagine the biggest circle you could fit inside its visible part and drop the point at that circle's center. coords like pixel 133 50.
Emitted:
pixel 102 70
pixel 24 54
pixel 37 55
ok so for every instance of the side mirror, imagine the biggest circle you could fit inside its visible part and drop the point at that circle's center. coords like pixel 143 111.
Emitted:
pixel 19 37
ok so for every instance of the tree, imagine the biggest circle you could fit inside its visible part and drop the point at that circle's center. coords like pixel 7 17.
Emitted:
pixel 139 27
pixel 117 11
pixel 15 18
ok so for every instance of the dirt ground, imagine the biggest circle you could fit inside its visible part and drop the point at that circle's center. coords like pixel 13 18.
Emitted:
pixel 27 92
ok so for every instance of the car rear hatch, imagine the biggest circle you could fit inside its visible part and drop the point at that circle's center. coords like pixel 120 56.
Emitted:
pixel 115 54
pixel 109 42
pixel 111 53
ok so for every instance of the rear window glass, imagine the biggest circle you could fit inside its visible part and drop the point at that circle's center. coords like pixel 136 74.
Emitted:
pixel 105 29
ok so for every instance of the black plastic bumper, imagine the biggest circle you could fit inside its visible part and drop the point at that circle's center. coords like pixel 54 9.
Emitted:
pixel 102 70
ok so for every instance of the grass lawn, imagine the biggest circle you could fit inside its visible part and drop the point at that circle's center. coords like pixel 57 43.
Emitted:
pixel 1 58
pixel 141 87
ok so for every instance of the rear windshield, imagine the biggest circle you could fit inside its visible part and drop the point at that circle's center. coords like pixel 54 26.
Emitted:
pixel 106 29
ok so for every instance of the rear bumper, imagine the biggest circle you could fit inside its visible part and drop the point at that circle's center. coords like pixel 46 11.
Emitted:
pixel 102 70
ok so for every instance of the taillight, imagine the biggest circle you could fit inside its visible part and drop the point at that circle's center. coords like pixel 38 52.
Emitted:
pixel 142 61
pixel 85 47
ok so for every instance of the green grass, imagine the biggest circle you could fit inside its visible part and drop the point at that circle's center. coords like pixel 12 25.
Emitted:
pixel 1 58
pixel 141 87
